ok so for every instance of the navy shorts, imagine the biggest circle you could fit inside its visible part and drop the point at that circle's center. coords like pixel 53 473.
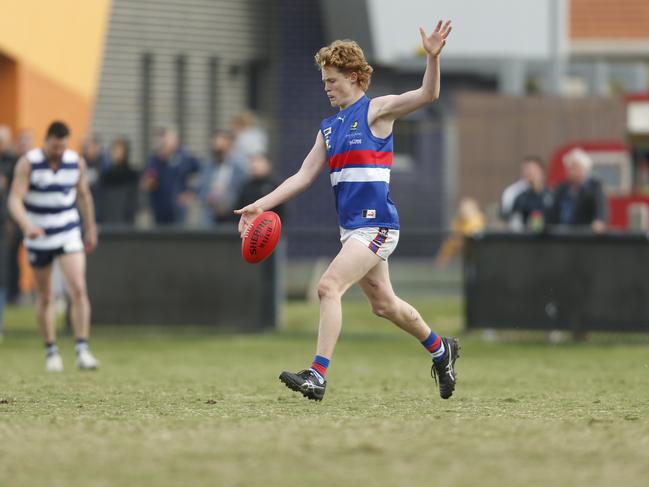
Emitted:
pixel 43 258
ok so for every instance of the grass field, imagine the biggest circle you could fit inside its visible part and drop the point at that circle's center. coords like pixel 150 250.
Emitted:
pixel 190 408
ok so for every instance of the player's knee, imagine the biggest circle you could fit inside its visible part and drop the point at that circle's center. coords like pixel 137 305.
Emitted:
pixel 77 292
pixel 44 300
pixel 328 287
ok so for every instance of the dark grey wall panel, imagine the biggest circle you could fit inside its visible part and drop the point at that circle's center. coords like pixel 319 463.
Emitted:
pixel 181 278
pixel 558 281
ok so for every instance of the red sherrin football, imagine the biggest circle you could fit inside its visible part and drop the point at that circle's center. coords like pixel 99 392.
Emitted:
pixel 261 237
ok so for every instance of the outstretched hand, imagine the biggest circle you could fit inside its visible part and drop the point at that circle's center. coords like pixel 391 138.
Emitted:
pixel 434 43
pixel 248 214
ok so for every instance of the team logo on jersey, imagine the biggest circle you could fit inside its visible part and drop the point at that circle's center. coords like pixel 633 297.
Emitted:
pixel 327 135
pixel 354 125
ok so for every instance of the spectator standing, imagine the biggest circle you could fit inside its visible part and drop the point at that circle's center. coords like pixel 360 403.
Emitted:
pixel 580 201
pixel 97 161
pixel 512 191
pixel 221 181
pixel 167 179
pixel 119 186
pixel 24 143
pixel 21 277
pixel 260 182
pixel 532 206
pixel 249 138
pixel 7 157
pixel 12 236
pixel 3 256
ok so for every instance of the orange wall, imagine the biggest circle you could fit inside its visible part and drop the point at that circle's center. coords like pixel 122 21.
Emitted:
pixel 8 93
pixel 63 39
pixel 609 19
pixel 42 100
pixel 51 57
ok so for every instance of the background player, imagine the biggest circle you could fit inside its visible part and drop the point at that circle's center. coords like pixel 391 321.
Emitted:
pixel 47 184
pixel 357 144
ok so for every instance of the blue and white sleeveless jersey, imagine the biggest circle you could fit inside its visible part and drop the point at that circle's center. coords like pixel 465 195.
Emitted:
pixel 359 169
pixel 51 200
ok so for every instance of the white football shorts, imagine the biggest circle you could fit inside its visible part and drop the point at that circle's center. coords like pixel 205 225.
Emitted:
pixel 380 240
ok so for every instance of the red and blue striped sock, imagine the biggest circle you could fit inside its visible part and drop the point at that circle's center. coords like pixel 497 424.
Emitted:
pixel 435 346
pixel 319 366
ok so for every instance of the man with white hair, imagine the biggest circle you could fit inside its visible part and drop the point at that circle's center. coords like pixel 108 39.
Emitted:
pixel 579 201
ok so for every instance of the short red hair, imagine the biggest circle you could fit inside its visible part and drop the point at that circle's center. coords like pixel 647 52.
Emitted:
pixel 349 58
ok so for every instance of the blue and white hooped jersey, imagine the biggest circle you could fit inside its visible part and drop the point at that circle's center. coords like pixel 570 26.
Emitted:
pixel 359 169
pixel 51 200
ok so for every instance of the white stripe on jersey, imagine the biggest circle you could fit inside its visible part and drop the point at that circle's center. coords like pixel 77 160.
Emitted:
pixel 54 220
pixel 70 156
pixel 55 241
pixel 51 200
pixel 360 175
pixel 36 155
pixel 62 177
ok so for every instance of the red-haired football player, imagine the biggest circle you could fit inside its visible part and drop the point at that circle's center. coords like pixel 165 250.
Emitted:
pixel 356 145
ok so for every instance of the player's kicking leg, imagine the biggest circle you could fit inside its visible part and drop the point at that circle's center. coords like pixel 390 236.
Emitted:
pixel 385 303
pixel 350 265
pixel 73 266
pixel 45 316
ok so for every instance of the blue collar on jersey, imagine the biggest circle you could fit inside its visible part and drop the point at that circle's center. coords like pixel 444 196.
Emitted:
pixel 357 102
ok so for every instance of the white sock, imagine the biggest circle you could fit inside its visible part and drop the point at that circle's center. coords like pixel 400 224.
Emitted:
pixel 81 346
pixel 51 350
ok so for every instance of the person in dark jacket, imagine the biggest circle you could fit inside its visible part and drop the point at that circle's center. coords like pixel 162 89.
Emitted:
pixel 92 150
pixel 221 180
pixel 10 237
pixel 260 183
pixel 535 201
pixel 119 186
pixel 3 254
pixel 167 179
pixel 580 201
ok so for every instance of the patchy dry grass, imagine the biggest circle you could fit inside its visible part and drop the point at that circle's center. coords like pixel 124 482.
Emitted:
pixel 184 407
